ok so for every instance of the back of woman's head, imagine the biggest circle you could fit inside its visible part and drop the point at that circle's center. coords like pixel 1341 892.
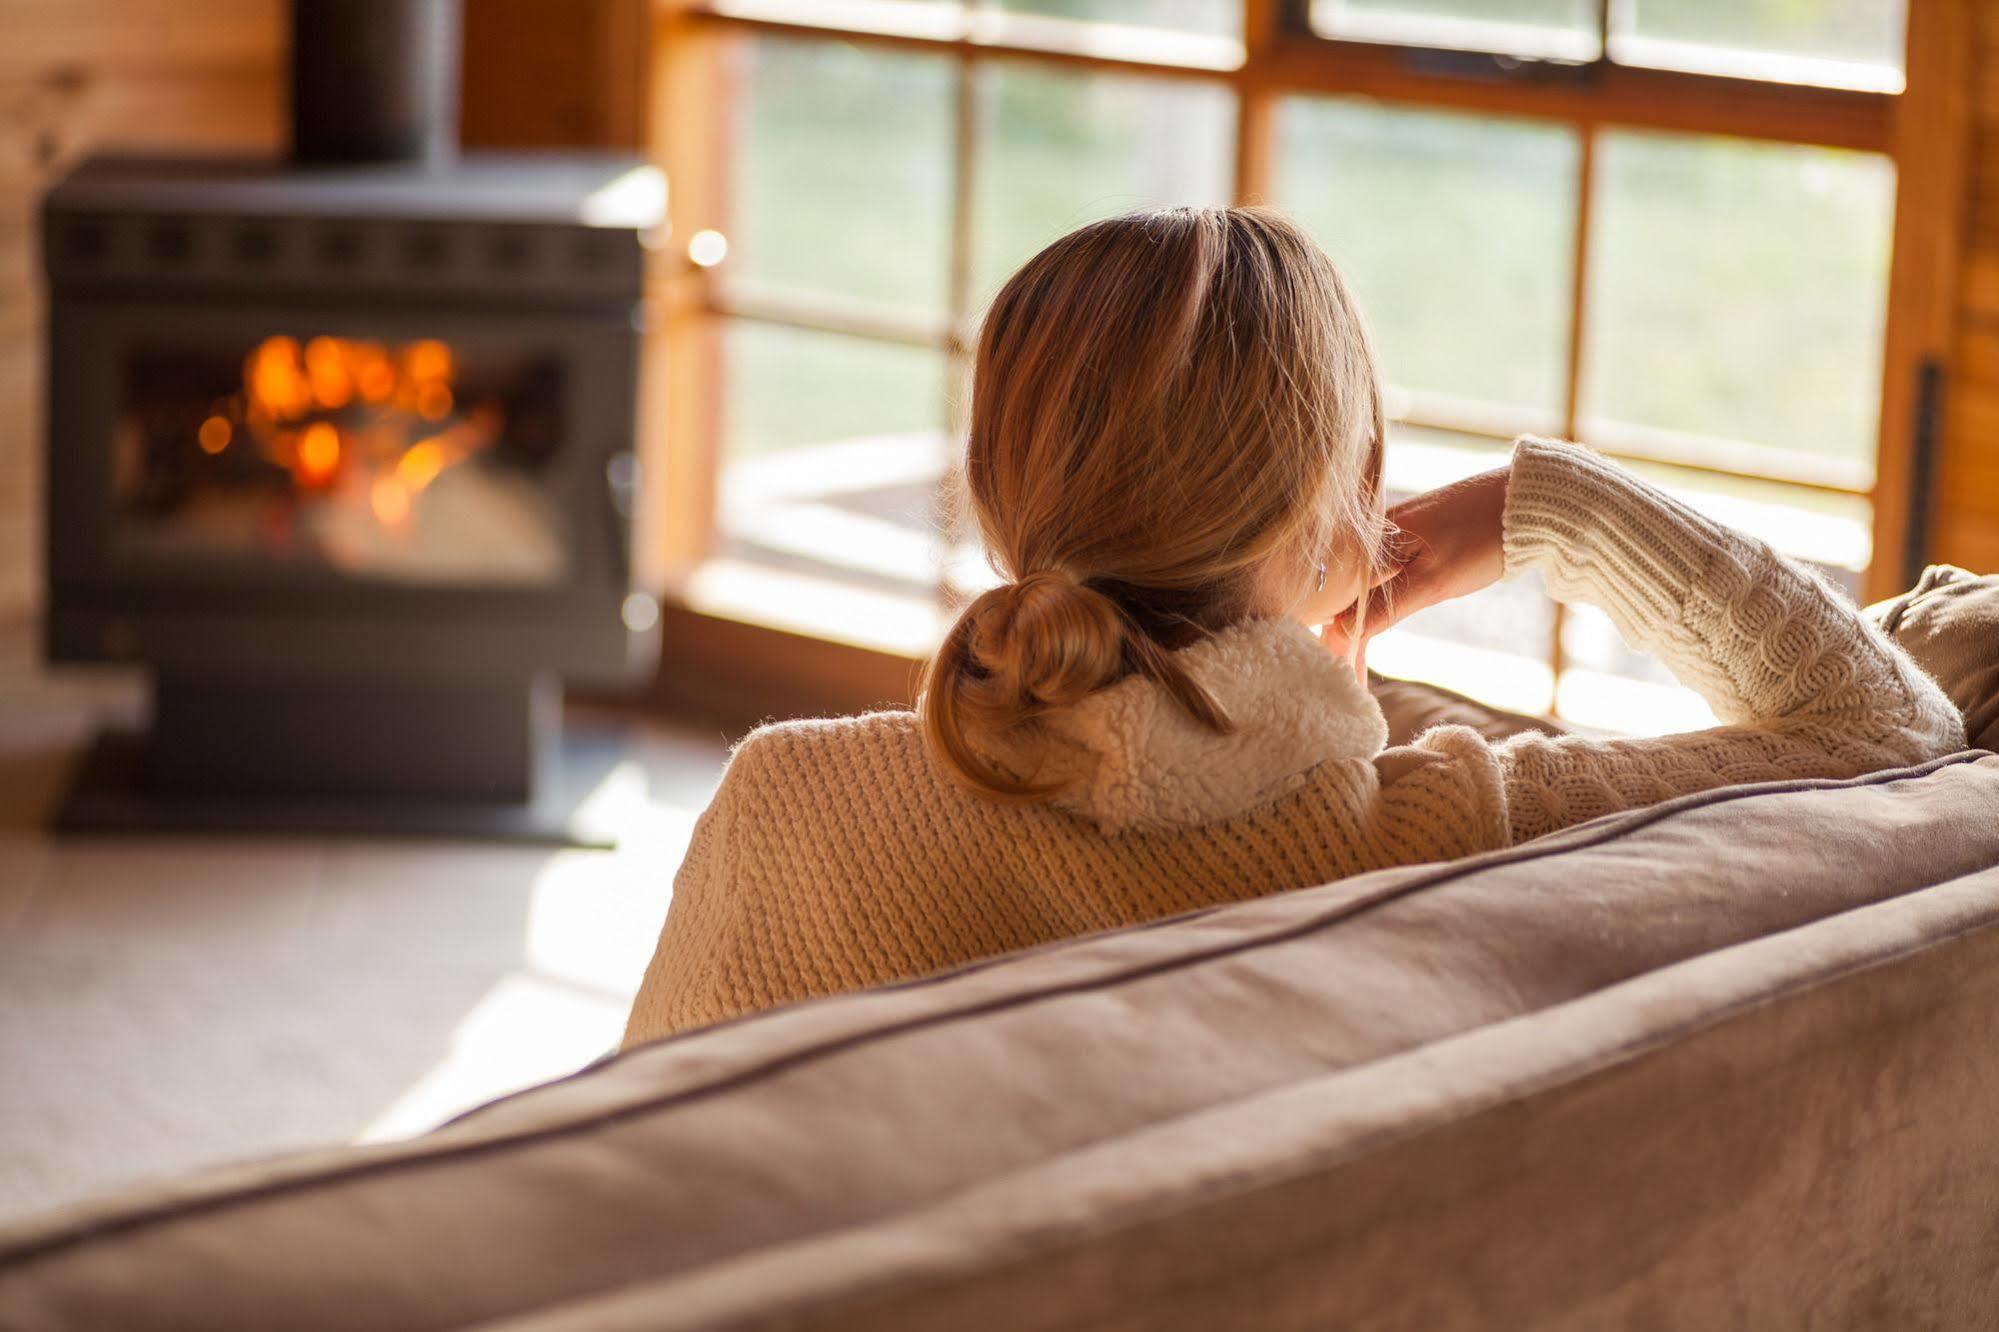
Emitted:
pixel 1172 413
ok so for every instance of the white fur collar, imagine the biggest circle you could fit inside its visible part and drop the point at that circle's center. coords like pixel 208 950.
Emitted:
pixel 1133 758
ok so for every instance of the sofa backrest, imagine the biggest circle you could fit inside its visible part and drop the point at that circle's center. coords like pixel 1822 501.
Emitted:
pixel 1552 1083
pixel 1795 1132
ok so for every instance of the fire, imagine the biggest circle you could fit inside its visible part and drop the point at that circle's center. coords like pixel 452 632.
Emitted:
pixel 329 410
pixel 275 378
pixel 427 361
pixel 374 373
pixel 328 368
pixel 433 402
pixel 420 465
pixel 318 453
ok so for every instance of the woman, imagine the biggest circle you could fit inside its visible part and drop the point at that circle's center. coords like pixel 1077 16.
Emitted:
pixel 1174 459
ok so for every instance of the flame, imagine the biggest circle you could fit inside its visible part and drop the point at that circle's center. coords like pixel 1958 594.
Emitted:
pixel 327 370
pixel 275 377
pixel 318 453
pixel 421 464
pixel 332 407
pixel 374 372
pixel 433 402
pixel 427 361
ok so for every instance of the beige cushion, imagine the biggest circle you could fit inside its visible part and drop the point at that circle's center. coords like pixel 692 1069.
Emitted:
pixel 1949 622
pixel 1412 708
pixel 1476 1094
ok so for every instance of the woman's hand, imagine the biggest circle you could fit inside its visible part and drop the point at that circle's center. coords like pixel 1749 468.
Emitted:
pixel 1449 543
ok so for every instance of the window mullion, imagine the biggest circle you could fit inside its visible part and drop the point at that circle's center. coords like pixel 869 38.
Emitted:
pixel 968 134
pixel 1256 102
pixel 1578 336
pixel 1579 282
pixel 684 366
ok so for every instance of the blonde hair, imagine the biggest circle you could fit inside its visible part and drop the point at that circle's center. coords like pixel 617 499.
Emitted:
pixel 1162 403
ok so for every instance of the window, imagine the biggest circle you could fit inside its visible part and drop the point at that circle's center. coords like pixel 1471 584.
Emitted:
pixel 1662 227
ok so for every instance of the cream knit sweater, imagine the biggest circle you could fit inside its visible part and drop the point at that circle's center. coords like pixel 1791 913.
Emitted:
pixel 836 856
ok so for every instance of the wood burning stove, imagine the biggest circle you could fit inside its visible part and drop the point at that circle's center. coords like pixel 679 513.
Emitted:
pixel 344 451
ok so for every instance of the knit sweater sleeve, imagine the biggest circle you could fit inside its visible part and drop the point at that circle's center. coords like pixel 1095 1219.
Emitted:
pixel 1805 685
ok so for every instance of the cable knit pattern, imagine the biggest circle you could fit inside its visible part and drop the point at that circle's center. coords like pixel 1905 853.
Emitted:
pixel 1809 686
pixel 837 856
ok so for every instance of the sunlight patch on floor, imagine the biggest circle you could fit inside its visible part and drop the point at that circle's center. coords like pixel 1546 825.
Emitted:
pixel 526 1030
pixel 592 920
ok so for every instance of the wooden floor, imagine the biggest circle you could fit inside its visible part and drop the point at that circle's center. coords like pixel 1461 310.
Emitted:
pixel 170 1002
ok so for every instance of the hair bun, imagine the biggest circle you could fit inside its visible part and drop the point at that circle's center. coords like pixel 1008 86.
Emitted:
pixel 1047 640
pixel 1025 648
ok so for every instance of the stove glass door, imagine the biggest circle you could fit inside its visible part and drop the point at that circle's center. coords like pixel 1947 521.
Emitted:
pixel 418 460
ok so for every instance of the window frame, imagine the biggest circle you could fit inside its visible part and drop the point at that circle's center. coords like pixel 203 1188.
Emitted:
pixel 1922 130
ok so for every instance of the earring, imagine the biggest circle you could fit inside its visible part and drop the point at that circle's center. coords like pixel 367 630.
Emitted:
pixel 1322 578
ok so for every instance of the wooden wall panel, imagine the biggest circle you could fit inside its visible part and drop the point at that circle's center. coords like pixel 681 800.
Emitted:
pixel 124 34
pixel 1967 511
pixel 81 75
pixel 542 75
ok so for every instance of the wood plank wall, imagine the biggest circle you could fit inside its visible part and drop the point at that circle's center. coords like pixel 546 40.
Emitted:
pixel 542 75
pixel 77 75
pixel 1967 510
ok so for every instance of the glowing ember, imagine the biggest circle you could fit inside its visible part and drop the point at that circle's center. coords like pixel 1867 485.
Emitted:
pixel 433 402
pixel 318 453
pixel 327 368
pixel 427 361
pixel 421 464
pixel 374 372
pixel 214 435
pixel 274 376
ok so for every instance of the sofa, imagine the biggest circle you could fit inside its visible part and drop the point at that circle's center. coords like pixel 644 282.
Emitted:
pixel 1731 1061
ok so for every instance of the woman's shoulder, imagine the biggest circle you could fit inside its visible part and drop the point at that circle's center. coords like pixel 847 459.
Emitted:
pixel 879 746
pixel 831 735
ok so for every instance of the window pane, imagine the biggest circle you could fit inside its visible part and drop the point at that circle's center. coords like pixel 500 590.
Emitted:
pixel 843 178
pixel 1833 532
pixel 1591 642
pixel 1548 29
pixel 795 389
pixel 1605 684
pixel 1064 149
pixel 833 449
pixel 1220 18
pixel 1843 43
pixel 1456 231
pixel 1739 290
pixel 1417 459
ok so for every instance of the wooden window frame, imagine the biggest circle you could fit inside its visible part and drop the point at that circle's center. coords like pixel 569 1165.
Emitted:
pixel 1923 130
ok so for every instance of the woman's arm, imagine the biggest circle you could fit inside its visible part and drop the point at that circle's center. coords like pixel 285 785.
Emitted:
pixel 1808 688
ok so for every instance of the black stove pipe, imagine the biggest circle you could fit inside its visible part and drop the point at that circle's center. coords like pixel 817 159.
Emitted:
pixel 375 81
